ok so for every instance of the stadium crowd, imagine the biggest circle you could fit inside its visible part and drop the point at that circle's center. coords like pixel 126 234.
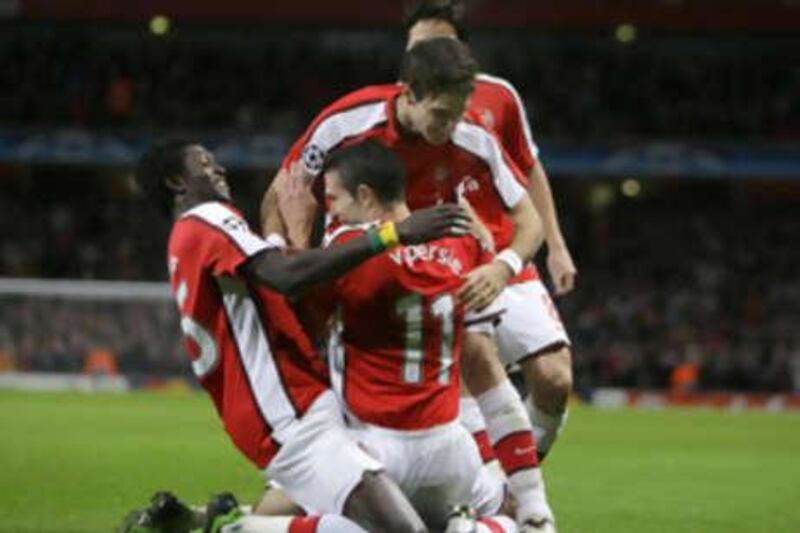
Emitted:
pixel 712 289
pixel 709 290
pixel 722 86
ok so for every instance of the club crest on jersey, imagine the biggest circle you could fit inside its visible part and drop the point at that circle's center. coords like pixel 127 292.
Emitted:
pixel 313 158
pixel 467 185
pixel 431 253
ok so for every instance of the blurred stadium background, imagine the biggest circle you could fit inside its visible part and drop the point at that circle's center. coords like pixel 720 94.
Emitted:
pixel 670 130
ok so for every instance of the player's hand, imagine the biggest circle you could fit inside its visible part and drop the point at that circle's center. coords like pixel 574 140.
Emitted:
pixel 479 229
pixel 562 270
pixel 434 223
pixel 483 285
pixel 296 203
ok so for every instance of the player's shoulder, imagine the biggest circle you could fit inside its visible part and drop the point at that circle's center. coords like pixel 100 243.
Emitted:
pixel 212 216
pixel 218 222
pixel 347 232
pixel 495 86
pixel 472 133
pixel 372 95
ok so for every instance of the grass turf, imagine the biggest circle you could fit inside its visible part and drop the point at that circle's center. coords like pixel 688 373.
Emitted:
pixel 78 463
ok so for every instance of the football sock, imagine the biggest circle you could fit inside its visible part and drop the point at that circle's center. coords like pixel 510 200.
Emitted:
pixel 496 524
pixel 514 445
pixel 471 418
pixel 546 427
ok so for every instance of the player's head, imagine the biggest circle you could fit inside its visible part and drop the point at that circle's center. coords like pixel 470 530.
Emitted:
pixel 429 19
pixel 438 76
pixel 177 170
pixel 363 182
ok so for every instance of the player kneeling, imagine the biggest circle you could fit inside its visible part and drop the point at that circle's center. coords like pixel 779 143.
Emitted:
pixel 395 351
pixel 248 349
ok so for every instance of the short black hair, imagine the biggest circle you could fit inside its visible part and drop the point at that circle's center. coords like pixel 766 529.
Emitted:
pixel 450 11
pixel 437 66
pixel 372 164
pixel 161 161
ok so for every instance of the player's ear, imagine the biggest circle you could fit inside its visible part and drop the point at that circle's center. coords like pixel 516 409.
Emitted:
pixel 365 196
pixel 176 183
pixel 409 94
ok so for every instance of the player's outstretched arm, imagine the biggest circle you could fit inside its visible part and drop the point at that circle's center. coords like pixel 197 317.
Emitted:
pixel 559 260
pixel 485 283
pixel 290 274
pixel 528 229
pixel 269 215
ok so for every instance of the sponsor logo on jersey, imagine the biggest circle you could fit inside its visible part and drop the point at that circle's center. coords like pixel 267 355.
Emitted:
pixel 430 253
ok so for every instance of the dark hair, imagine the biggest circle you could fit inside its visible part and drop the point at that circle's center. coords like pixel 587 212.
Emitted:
pixel 372 164
pixel 161 161
pixel 437 66
pixel 450 11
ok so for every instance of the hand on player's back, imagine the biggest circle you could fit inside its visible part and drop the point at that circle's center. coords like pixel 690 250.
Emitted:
pixel 483 285
pixel 434 223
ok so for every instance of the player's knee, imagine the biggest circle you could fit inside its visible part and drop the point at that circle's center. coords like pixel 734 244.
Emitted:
pixel 559 377
pixel 550 374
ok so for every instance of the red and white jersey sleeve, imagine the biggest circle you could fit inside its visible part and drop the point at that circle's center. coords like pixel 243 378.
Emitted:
pixel 500 107
pixel 246 345
pixel 399 333
pixel 347 120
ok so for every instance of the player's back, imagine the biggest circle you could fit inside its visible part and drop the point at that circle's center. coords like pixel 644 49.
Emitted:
pixel 400 332
pixel 247 348
pixel 496 102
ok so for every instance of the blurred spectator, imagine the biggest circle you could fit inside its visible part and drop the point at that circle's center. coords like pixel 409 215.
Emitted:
pixel 63 335
pixel 580 86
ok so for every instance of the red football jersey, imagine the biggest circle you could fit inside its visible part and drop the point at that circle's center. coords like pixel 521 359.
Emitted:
pixel 247 347
pixel 472 164
pixel 396 345
pixel 500 108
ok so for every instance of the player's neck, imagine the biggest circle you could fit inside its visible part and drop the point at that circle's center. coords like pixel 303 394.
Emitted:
pixel 395 213
pixel 403 113
pixel 186 202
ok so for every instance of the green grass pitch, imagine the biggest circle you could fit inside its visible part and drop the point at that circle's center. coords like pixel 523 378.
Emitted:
pixel 78 463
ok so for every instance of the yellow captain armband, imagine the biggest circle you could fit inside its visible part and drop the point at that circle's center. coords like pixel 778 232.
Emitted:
pixel 388 235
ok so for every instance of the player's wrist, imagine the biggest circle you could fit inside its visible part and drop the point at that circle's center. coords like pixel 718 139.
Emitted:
pixel 510 259
pixel 384 237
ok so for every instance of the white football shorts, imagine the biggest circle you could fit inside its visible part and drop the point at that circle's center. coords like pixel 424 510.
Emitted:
pixel 436 468
pixel 321 464
pixel 530 323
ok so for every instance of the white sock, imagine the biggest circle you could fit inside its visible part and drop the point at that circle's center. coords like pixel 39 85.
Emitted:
pixel 546 427
pixel 514 445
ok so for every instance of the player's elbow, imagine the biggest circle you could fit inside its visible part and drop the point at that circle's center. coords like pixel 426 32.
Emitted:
pixel 528 222
pixel 285 281
pixel 277 272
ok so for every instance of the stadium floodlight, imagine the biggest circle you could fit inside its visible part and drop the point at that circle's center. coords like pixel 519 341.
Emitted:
pixel 159 25
pixel 625 33
pixel 631 188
